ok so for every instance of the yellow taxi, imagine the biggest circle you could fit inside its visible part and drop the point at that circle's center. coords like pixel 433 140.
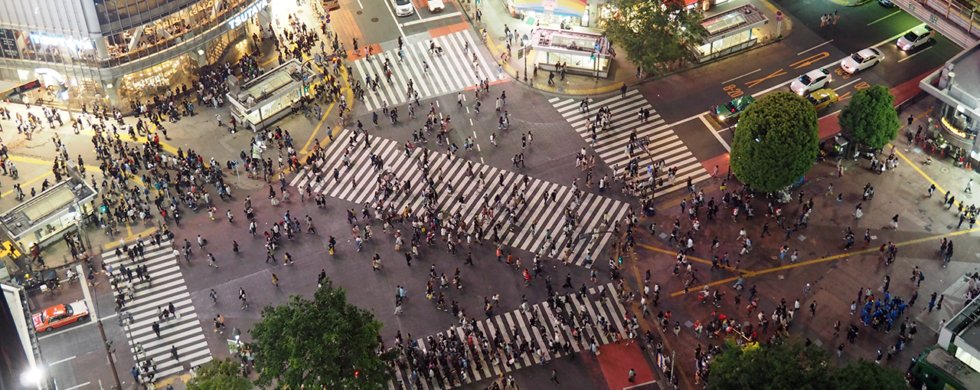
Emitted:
pixel 822 98
pixel 60 315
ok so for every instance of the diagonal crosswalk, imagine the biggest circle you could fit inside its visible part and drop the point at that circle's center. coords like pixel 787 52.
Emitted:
pixel 545 325
pixel 594 215
pixel 611 144
pixel 165 286
pixel 453 70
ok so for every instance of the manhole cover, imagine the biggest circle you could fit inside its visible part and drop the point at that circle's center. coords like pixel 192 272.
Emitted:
pixel 360 12
pixel 374 20
pixel 944 170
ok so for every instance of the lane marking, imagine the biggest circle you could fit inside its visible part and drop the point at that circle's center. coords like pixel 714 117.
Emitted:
pixel 62 361
pixel 749 274
pixel 852 82
pixel 728 81
pixel 807 50
pixel 639 385
pixel 440 17
pixel 913 55
pixel 717 136
pixel 359 3
pixel 78 386
pixel 885 17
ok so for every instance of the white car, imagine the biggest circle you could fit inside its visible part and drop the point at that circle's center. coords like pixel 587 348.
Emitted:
pixel 861 60
pixel 811 81
pixel 436 6
pixel 403 7
pixel 916 37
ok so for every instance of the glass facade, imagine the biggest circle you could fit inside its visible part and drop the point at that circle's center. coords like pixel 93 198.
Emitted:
pixel 135 38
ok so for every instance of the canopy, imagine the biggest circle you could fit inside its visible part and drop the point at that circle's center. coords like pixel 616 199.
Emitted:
pixel 574 8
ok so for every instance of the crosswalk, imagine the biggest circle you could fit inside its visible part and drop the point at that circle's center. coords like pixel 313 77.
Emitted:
pixel 165 286
pixel 611 144
pixel 453 70
pixel 550 323
pixel 595 214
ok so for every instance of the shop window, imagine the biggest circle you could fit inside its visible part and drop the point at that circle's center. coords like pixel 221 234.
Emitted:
pixel 958 123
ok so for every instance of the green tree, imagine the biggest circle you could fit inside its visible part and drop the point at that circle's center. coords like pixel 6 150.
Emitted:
pixel 326 343
pixel 657 34
pixel 870 117
pixel 867 375
pixel 775 142
pixel 791 366
pixel 220 375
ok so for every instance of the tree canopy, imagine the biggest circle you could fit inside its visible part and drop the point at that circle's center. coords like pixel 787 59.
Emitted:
pixel 220 375
pixel 655 34
pixel 791 366
pixel 870 117
pixel 775 142
pixel 326 343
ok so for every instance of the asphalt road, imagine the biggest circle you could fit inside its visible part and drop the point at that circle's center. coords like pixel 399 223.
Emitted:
pixel 679 98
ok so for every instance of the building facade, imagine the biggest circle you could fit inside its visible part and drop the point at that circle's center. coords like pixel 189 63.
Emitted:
pixel 114 51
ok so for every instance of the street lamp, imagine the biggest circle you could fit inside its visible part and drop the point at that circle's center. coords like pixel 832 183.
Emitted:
pixel 524 41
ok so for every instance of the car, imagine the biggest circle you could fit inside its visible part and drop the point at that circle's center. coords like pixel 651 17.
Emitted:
pixel 732 109
pixel 822 98
pixel 916 37
pixel 60 315
pixel 887 3
pixel 436 6
pixel 403 7
pixel 811 81
pixel 861 60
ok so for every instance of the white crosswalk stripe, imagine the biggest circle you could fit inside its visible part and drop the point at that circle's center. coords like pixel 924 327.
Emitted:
pixel 611 144
pixel 539 327
pixel 357 184
pixel 164 286
pixel 453 70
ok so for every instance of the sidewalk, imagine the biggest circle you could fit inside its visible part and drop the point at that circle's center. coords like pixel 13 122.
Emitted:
pixel 622 71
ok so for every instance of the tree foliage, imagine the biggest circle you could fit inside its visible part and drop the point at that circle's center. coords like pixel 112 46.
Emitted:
pixel 775 142
pixel 326 343
pixel 870 117
pixel 220 375
pixel 655 34
pixel 791 366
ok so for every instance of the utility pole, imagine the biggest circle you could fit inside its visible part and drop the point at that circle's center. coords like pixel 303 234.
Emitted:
pixel 108 354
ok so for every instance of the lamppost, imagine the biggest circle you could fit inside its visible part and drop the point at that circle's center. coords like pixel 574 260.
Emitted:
pixel 524 42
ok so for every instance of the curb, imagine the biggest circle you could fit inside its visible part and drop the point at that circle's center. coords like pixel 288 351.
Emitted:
pixel 514 74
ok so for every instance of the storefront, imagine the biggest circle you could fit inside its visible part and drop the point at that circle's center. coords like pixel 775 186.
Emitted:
pixel 272 96
pixel 730 32
pixel 553 13
pixel 580 53
pixel 956 113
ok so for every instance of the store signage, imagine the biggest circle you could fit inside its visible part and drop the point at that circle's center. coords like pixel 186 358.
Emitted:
pixel 247 14
pixel 549 5
pixel 48 40
pixel 8 44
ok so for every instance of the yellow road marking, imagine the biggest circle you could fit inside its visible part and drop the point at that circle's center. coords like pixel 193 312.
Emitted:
pixel 748 274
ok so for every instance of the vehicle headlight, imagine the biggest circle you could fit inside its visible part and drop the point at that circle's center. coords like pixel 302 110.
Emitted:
pixel 906 46
pixel 722 117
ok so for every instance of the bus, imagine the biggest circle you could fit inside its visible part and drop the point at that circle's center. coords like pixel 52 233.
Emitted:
pixel 937 369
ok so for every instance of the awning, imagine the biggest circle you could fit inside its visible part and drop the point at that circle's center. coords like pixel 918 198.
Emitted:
pixel 574 8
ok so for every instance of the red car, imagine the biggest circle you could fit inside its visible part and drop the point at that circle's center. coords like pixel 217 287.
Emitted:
pixel 60 315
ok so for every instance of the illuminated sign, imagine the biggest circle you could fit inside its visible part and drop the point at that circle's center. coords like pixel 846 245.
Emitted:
pixel 247 14
pixel 48 40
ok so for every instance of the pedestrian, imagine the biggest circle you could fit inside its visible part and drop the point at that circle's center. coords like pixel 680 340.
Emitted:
pixel 156 328
pixel 622 90
pixel 939 303
pixel 632 375
pixel 836 16
pixel 218 117
pixel 813 308
pixel 275 280
pixel 554 377
pixel 214 296
pixel 968 189
pixel 173 352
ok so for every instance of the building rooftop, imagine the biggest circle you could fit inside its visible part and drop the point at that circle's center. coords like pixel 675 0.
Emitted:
pixel 26 216
pixel 567 40
pixel 268 83
pixel 746 16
